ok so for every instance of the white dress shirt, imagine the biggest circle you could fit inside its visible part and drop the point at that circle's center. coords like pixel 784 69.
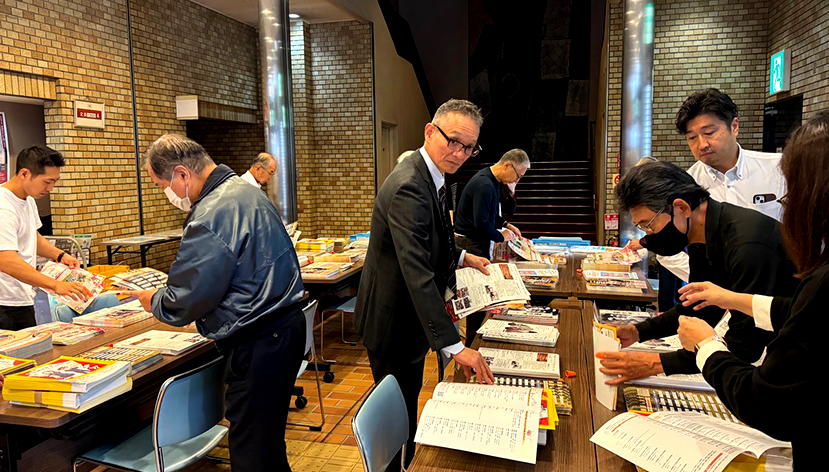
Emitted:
pixel 439 180
pixel 248 177
pixel 756 182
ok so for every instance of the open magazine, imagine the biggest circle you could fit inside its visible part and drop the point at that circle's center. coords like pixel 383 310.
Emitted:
pixel 524 248
pixel 93 282
pixel 476 291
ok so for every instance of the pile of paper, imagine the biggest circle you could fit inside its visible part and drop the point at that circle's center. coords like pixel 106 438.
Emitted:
pixel 24 345
pixel 116 317
pixel 71 384
pixel 140 279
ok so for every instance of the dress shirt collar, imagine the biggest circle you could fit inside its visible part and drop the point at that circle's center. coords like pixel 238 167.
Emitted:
pixel 437 175
pixel 738 172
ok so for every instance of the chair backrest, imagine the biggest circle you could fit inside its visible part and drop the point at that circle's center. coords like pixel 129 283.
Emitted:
pixel 381 425
pixel 189 404
pixel 309 311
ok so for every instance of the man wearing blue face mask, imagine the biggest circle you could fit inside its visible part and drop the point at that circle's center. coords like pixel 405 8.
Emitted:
pixel 728 245
pixel 237 277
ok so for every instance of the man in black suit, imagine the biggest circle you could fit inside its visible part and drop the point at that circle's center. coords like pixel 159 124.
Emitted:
pixel 409 272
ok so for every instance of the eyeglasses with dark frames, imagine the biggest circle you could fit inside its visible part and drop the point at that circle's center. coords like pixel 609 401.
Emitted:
pixel 454 145
pixel 647 228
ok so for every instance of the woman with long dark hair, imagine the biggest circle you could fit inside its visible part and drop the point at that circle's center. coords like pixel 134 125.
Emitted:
pixel 784 396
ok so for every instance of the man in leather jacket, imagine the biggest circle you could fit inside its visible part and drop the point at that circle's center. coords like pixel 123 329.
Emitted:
pixel 237 277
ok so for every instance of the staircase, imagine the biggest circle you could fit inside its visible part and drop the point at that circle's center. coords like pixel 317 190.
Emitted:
pixel 555 198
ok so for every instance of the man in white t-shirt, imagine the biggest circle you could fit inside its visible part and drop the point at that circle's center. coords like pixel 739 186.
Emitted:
pixel 38 169
pixel 261 170
pixel 731 174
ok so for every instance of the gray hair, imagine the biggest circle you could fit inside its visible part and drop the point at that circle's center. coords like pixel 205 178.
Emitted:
pixel 517 156
pixel 404 155
pixel 171 150
pixel 263 160
pixel 463 107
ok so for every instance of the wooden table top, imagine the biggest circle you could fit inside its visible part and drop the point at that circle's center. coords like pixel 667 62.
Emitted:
pixel 568 447
pixel 315 279
pixel 47 418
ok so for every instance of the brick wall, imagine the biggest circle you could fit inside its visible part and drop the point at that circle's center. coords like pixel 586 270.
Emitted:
pixel 722 45
pixel 332 78
pixel 802 26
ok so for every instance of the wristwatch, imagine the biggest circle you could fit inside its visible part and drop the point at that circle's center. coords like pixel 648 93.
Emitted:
pixel 705 341
pixel 60 256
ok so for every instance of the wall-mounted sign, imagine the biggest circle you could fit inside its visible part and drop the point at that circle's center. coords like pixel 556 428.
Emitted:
pixel 187 107
pixel 4 150
pixel 89 115
pixel 611 221
pixel 780 72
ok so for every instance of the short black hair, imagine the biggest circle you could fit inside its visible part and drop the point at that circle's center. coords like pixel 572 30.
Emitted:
pixel 38 158
pixel 706 102
pixel 656 185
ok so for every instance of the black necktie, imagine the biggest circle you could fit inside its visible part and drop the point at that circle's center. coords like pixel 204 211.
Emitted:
pixel 449 238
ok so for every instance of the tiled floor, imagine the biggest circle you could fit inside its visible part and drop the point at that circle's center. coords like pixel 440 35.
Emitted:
pixel 334 448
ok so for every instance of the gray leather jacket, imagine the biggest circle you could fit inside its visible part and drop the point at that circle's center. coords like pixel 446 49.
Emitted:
pixel 236 267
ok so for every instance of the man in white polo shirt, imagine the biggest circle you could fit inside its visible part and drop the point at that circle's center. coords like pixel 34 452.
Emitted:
pixel 731 174
pixel 261 170
pixel 38 169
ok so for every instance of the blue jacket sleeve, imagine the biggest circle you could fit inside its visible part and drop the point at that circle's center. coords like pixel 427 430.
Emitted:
pixel 198 279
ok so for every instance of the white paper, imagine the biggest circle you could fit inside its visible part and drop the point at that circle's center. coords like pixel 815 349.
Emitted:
pixel 606 394
pixel 522 363
pixel 476 291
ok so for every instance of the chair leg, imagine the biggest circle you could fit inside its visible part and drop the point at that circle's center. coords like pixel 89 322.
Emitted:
pixel 217 459
pixel 342 331
pixel 315 427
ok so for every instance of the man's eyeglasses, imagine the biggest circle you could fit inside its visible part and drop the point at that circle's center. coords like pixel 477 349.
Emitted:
pixel 647 228
pixel 519 176
pixel 454 145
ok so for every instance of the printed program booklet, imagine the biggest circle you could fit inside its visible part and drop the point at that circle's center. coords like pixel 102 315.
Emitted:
pixel 171 343
pixel 93 282
pixel 476 291
pixel 519 333
pixel 544 365
pixel 117 316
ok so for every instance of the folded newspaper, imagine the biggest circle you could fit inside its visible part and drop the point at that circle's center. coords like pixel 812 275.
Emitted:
pixel 476 291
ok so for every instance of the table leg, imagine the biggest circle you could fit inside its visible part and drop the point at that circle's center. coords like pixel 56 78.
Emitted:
pixel 144 250
pixel 109 255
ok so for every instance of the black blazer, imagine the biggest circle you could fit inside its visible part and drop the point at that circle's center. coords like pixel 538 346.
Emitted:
pixel 400 309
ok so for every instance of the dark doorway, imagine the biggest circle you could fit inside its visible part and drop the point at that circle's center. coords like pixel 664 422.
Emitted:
pixel 780 118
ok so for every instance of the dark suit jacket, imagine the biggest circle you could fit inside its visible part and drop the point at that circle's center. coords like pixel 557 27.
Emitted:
pixel 400 308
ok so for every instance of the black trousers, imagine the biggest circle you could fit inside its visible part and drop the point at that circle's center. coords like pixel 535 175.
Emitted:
pixel 17 317
pixel 260 375
pixel 410 377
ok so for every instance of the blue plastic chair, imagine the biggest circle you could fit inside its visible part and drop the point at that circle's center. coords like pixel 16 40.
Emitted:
pixel 381 426
pixel 184 428
pixel 61 312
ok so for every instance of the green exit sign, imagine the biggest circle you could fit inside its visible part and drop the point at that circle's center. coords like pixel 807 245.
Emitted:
pixel 780 72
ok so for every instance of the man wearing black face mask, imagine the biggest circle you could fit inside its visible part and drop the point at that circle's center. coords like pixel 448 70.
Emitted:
pixel 731 246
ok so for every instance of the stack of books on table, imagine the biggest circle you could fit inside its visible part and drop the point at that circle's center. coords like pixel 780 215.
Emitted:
pixel 526 313
pixel 144 278
pixel 610 318
pixel 10 365
pixel 613 282
pixel 325 270
pixel 319 245
pixel 24 345
pixel 349 255
pixel 524 249
pixel 65 334
pixel 139 358
pixel 543 365
pixel 620 260
pixel 70 384
pixel 116 317
pixel 519 333
pixel 539 278
pixel 171 343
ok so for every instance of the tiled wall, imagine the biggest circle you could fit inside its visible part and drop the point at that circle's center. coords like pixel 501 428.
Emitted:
pixel 720 44
pixel 332 67
pixel 802 26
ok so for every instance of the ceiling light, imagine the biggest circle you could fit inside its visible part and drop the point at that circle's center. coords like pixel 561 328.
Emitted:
pixel 293 16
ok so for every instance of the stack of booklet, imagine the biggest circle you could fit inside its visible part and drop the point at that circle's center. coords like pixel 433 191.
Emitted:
pixel 668 441
pixel 325 270
pixel 646 400
pixel 93 282
pixel 139 358
pixel 476 291
pixel 543 365
pixel 525 313
pixel 170 343
pixel 348 255
pixel 24 345
pixel 610 318
pixel 144 278
pixel 492 420
pixel 65 334
pixel 619 260
pixel 613 282
pixel 525 249
pixel 71 384
pixel 539 278
pixel 116 317
pixel 519 333
pixel 10 365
